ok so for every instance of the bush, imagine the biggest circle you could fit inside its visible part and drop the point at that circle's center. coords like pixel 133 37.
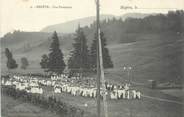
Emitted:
pixel 51 103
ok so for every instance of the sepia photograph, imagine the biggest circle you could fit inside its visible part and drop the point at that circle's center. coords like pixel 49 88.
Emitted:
pixel 92 58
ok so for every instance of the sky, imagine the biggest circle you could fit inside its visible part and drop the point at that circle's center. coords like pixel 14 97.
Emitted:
pixel 17 14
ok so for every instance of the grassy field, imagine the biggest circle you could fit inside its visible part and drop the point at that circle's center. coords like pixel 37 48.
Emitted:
pixel 14 108
pixel 145 107
pixel 156 106
pixel 174 92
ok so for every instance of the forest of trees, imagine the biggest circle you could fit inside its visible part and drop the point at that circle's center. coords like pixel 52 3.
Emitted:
pixel 84 60
pixel 117 30
pixel 172 22
pixel 81 59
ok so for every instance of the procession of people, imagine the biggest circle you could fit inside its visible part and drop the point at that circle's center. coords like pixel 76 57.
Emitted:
pixel 74 86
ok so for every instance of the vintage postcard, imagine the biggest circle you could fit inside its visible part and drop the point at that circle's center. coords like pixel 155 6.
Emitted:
pixel 92 58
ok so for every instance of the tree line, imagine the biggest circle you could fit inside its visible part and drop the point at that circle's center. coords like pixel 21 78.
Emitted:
pixel 82 58
pixel 123 30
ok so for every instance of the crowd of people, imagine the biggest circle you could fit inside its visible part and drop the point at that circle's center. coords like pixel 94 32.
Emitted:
pixel 75 86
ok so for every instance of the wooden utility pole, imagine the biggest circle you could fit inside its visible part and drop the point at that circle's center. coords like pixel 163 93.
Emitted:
pixel 100 69
pixel 81 55
pixel 98 60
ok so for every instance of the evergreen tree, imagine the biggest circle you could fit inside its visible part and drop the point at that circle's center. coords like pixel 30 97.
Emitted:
pixel 79 60
pixel 56 63
pixel 24 63
pixel 11 63
pixel 107 62
pixel 44 62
